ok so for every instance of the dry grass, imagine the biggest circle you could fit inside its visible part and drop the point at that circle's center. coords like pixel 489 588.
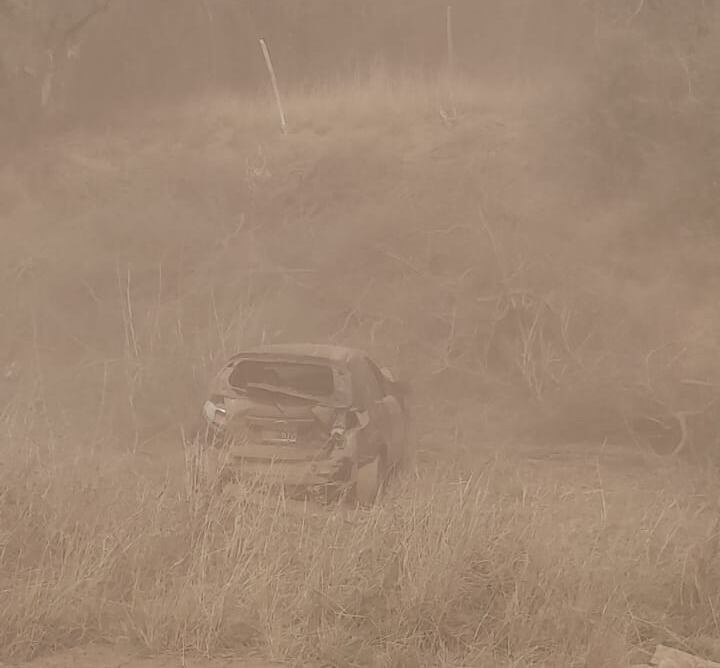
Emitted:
pixel 511 565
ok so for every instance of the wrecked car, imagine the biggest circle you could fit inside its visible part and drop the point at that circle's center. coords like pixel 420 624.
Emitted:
pixel 313 418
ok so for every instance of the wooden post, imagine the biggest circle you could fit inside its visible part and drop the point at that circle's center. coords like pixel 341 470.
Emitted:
pixel 450 116
pixel 450 43
pixel 273 80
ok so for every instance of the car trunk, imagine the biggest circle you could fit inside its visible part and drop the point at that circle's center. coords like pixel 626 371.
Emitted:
pixel 295 431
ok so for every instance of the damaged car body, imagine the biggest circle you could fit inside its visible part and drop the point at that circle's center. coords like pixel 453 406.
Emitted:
pixel 313 418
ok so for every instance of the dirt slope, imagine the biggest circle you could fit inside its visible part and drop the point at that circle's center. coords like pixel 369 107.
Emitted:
pixel 487 254
pixel 169 242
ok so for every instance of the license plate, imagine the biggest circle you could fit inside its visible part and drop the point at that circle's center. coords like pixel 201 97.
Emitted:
pixel 287 437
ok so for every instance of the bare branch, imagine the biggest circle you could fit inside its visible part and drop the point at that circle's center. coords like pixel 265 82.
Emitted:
pixel 75 28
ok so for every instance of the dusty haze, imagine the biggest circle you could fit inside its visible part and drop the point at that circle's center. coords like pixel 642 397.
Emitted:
pixel 526 231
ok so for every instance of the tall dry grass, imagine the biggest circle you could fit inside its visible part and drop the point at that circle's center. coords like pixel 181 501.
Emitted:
pixel 513 565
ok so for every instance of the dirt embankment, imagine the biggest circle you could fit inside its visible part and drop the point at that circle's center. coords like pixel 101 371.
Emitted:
pixel 490 258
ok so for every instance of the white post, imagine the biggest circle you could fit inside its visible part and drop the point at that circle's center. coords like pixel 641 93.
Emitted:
pixel 451 116
pixel 273 80
pixel 450 44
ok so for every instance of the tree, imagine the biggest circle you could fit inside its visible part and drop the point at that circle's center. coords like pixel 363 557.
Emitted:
pixel 39 39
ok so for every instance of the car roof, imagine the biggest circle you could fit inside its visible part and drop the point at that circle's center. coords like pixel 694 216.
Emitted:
pixel 327 352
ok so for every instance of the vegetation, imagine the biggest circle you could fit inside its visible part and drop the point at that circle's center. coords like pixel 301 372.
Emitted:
pixel 504 567
pixel 531 242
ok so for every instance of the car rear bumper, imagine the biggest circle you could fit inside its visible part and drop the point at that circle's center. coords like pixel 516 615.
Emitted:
pixel 293 477
pixel 272 465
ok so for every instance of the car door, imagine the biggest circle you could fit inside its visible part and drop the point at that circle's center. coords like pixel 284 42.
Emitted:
pixel 387 412
pixel 394 410
pixel 368 396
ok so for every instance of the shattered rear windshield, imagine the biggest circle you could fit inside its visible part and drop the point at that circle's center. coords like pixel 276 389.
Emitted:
pixel 317 380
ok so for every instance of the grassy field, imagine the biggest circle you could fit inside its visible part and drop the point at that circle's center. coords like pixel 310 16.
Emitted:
pixel 137 255
pixel 510 562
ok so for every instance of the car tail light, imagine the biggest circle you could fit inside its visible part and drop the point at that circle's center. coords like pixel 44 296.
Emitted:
pixel 215 407
pixel 218 400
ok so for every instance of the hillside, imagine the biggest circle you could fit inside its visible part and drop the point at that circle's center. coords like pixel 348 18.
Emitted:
pixel 163 243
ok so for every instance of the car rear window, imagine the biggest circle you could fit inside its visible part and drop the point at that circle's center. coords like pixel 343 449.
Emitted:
pixel 313 379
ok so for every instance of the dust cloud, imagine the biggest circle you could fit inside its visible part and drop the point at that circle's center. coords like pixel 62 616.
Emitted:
pixel 512 205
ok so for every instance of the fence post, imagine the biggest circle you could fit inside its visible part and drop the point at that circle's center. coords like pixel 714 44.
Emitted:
pixel 450 42
pixel 273 80
pixel 450 116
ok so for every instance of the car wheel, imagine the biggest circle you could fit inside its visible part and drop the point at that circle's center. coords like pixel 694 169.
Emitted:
pixel 403 460
pixel 369 480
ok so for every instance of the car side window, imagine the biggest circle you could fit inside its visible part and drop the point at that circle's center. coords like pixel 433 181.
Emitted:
pixel 373 383
pixel 379 378
pixel 365 384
